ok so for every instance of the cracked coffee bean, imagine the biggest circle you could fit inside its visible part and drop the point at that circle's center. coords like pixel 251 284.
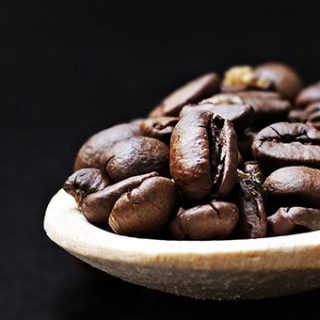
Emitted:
pixel 283 144
pixel 192 92
pixel 215 220
pixel 90 153
pixel 136 156
pixel 227 106
pixel 291 220
pixel 203 156
pixel 160 128
pixel 253 220
pixel 295 184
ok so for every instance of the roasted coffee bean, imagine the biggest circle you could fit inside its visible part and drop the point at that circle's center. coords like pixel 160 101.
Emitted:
pixel 289 220
pixel 268 106
pixel 84 182
pixel 98 206
pixel 145 210
pixel 241 78
pixel 284 79
pixel 136 156
pixel 215 220
pixel 90 153
pixel 253 220
pixel 308 95
pixel 296 184
pixel 269 76
pixel 192 92
pixel 203 155
pixel 227 106
pixel 160 128
pixel 283 144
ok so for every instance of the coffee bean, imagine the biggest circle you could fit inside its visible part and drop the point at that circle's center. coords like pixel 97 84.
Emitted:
pixel 192 92
pixel 146 209
pixel 295 184
pixel 90 153
pixel 84 182
pixel 290 220
pixel 160 128
pixel 308 95
pixel 253 220
pixel 227 106
pixel 203 155
pixel 284 79
pixel 268 106
pixel 269 76
pixel 136 156
pixel 283 144
pixel 241 78
pixel 215 220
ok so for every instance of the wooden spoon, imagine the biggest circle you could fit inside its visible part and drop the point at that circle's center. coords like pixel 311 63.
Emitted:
pixel 225 269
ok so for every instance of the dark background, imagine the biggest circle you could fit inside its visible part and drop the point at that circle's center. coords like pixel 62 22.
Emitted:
pixel 67 71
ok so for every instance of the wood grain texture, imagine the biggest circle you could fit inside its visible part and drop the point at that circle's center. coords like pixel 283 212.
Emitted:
pixel 228 269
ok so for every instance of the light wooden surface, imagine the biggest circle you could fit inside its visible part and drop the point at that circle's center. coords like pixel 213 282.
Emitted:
pixel 229 269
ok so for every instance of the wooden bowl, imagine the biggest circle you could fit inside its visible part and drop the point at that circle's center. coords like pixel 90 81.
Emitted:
pixel 225 269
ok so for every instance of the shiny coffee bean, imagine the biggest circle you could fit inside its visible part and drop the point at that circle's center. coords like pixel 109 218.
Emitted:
pixel 268 106
pixel 253 220
pixel 160 128
pixel 97 206
pixel 145 210
pixel 283 144
pixel 296 184
pixel 227 106
pixel 284 79
pixel 136 156
pixel 290 220
pixel 90 153
pixel 137 206
pixel 192 92
pixel 308 95
pixel 84 182
pixel 203 155
pixel 215 220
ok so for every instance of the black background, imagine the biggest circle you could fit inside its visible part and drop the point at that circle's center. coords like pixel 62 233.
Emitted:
pixel 68 70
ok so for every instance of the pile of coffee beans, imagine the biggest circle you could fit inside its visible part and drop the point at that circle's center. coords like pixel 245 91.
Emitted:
pixel 234 158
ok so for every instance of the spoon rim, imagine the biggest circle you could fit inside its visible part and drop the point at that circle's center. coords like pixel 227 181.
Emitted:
pixel 67 227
